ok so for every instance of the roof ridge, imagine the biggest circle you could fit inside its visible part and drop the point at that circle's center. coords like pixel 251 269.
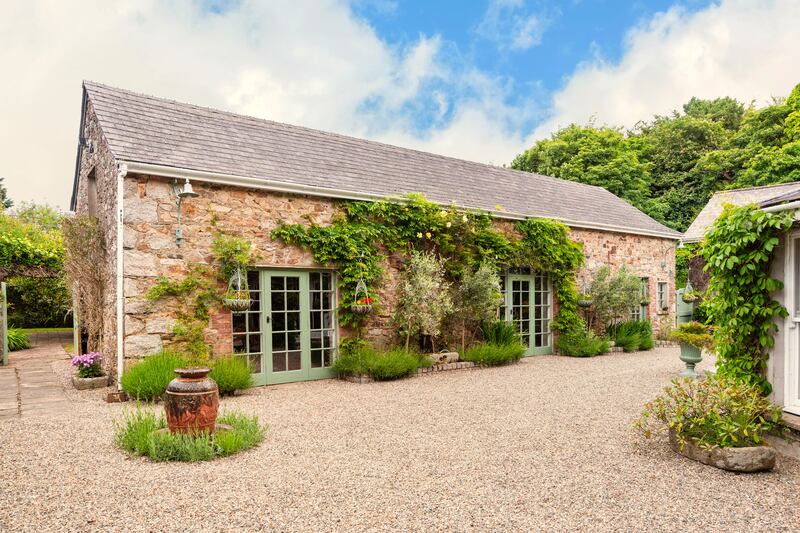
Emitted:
pixel 519 173
pixel 758 187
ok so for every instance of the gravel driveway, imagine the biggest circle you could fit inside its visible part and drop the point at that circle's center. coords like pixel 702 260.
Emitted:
pixel 543 445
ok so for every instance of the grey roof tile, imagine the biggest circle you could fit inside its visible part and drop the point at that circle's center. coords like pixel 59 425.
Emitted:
pixel 146 129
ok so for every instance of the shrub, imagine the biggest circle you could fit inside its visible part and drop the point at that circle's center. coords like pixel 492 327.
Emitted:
pixel 494 354
pixel 694 333
pixel 581 343
pixel 716 411
pixel 477 299
pixel 18 340
pixel 394 364
pixel 136 434
pixel 614 295
pixel 148 379
pixel 633 335
pixel 231 374
pixel 500 332
pixel 380 365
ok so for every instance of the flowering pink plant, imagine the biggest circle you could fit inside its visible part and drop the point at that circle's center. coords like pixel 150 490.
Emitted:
pixel 88 364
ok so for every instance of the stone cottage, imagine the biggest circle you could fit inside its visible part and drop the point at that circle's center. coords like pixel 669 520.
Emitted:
pixel 251 173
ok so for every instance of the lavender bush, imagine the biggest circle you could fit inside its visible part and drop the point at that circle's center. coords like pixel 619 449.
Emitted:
pixel 88 364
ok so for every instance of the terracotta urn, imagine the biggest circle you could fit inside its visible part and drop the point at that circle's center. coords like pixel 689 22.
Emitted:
pixel 191 401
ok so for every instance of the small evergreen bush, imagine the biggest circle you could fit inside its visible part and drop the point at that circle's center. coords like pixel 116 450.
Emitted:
pixel 231 374
pixel 393 364
pixel 494 354
pixel 18 340
pixel 500 332
pixel 148 379
pixel 581 343
pixel 136 434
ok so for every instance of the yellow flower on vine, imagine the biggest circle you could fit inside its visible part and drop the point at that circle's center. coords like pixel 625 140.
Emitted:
pixel 448 224
pixel 464 219
pixel 419 235
pixel 428 234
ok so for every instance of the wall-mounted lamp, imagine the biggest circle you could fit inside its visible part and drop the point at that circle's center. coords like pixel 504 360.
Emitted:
pixel 180 194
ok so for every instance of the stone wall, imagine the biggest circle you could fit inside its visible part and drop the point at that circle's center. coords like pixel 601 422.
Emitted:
pixel 650 257
pixel 99 159
pixel 150 251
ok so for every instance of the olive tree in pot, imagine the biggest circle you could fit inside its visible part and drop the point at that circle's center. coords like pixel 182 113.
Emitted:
pixel 717 420
pixel 693 337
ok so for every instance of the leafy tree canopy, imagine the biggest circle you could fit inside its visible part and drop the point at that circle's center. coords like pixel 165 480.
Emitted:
pixel 670 166
pixel 5 201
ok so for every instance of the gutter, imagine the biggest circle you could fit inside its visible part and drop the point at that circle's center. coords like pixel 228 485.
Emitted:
pixel 121 173
pixel 782 207
pixel 313 190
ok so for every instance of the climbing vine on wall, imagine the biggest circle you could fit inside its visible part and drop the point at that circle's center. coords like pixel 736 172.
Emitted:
pixel 738 250
pixel 361 238
pixel 198 292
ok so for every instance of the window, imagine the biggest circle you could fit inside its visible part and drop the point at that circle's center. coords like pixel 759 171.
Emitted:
pixel 247 326
pixel 91 194
pixel 639 312
pixel 663 297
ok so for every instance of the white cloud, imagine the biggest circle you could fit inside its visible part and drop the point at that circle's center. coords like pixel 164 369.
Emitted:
pixel 315 64
pixel 511 26
pixel 740 48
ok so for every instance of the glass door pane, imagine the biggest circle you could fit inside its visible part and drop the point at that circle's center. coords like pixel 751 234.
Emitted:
pixel 542 302
pixel 284 294
pixel 521 308
pixel 247 327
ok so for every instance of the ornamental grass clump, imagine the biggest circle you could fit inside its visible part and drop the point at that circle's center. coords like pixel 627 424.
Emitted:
pixel 581 343
pixel 88 365
pixel 148 379
pixel 500 332
pixel 380 365
pixel 18 340
pixel 633 335
pixel 494 354
pixel 138 434
pixel 716 411
pixel 231 374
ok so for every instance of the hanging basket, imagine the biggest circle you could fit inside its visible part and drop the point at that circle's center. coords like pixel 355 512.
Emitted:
pixel 237 298
pixel 362 303
pixel 585 302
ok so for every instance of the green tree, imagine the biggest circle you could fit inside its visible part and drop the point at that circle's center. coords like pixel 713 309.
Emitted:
pixel 5 201
pixel 597 156
pixel 726 111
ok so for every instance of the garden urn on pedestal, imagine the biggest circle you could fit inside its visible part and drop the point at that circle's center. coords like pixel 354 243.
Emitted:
pixel 690 355
pixel 191 401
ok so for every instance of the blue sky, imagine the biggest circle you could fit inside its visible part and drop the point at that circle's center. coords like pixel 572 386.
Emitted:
pixel 552 38
pixel 479 80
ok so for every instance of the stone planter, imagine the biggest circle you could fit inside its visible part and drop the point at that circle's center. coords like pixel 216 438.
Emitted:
pixel 691 356
pixel 444 357
pixel 191 401
pixel 89 383
pixel 748 459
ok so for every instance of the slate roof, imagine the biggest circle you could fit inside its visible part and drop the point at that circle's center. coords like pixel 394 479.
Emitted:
pixel 147 129
pixel 765 195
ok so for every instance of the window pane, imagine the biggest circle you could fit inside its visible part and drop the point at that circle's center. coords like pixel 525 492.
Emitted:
pixel 294 360
pixel 326 281
pixel 316 319
pixel 293 301
pixel 276 283
pixel 293 321
pixel 316 358
pixel 278 361
pixel 279 321
pixel 252 280
pixel 239 344
pixel 316 300
pixel 292 283
pixel 316 339
pixel 314 281
pixel 278 301
pixel 278 342
pixel 252 322
pixel 254 361
pixel 239 322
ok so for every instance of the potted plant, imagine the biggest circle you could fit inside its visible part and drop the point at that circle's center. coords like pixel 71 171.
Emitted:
pixel 718 421
pixel 585 300
pixel 237 297
pixel 89 373
pixel 693 337
pixel 363 305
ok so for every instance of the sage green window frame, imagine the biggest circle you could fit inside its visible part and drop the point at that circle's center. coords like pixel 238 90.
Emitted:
pixel 662 297
pixel 268 376
pixel 545 321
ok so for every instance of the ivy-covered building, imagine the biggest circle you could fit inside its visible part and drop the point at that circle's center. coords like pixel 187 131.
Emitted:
pixel 782 368
pixel 258 179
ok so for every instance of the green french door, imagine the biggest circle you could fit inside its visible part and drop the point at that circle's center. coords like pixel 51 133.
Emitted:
pixel 528 305
pixel 293 337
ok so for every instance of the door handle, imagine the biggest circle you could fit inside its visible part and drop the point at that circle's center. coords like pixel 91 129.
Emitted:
pixel 267 318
